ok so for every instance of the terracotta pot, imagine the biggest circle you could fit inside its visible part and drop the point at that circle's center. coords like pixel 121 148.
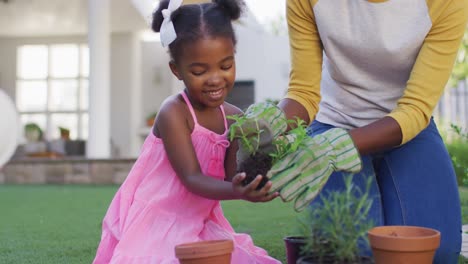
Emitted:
pixel 293 246
pixel 403 244
pixel 205 252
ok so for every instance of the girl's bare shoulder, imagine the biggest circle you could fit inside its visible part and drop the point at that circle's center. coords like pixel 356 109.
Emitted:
pixel 173 104
pixel 171 115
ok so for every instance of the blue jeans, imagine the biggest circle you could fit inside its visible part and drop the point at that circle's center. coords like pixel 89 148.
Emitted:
pixel 413 184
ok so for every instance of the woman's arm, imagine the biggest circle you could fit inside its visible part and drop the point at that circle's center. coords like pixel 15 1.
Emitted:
pixel 303 93
pixel 432 67
pixel 424 88
pixel 377 136
pixel 293 109
pixel 425 85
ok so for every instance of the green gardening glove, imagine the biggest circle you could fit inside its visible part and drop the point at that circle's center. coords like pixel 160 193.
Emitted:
pixel 262 124
pixel 302 174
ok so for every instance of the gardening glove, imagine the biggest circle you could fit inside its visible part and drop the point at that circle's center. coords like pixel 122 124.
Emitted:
pixel 264 122
pixel 303 173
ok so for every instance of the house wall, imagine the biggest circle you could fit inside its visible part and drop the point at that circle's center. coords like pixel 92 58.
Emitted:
pixel 264 59
pixel 260 57
pixel 126 94
pixel 157 79
pixel 126 117
pixel 141 79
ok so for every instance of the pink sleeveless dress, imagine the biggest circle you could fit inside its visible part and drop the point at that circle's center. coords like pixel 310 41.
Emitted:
pixel 152 211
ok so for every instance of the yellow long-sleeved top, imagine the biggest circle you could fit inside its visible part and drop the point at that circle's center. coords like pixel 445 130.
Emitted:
pixel 356 61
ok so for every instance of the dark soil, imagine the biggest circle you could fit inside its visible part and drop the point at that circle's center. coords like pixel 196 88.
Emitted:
pixel 260 163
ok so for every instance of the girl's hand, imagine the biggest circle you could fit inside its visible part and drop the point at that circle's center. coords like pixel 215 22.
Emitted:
pixel 249 191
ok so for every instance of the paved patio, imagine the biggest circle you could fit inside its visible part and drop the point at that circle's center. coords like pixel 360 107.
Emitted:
pixel 464 250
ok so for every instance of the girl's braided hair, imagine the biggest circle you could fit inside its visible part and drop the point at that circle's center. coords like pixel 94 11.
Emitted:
pixel 195 21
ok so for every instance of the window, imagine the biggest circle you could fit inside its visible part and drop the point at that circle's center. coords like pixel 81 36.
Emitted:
pixel 52 88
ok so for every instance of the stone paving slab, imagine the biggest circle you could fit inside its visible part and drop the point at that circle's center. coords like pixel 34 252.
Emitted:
pixel 464 250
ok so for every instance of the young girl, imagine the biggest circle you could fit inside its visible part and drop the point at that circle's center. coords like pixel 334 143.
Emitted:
pixel 172 193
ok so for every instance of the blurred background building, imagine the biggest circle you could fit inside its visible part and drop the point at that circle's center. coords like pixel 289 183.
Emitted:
pixel 90 73
pixel 88 76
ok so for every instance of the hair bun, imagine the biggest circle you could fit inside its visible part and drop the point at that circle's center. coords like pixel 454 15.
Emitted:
pixel 233 8
pixel 158 16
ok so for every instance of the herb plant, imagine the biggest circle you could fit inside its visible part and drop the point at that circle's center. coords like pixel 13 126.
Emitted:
pixel 337 227
pixel 262 158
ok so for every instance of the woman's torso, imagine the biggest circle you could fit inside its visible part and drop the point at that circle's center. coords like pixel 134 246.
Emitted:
pixel 369 51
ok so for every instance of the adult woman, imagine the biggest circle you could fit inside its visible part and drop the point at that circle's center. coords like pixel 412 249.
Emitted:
pixel 376 69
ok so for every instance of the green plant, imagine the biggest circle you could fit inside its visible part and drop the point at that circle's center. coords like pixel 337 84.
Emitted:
pixel 150 118
pixel 33 132
pixel 458 150
pixel 337 227
pixel 64 132
pixel 272 100
pixel 462 260
pixel 291 142
pixel 459 131
pixel 259 150
pixel 250 138
pixel 246 137
pixel 152 115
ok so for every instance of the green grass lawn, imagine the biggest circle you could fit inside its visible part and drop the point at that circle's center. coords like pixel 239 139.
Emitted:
pixel 62 224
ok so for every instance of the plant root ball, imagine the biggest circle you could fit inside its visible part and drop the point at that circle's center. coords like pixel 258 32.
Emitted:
pixel 260 163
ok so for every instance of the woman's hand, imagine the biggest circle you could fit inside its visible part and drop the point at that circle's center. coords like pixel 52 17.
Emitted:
pixel 261 124
pixel 301 175
pixel 249 192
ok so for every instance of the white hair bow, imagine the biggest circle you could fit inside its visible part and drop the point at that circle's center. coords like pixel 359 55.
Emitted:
pixel 167 32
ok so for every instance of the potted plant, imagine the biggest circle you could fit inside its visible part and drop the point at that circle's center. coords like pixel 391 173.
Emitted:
pixel 294 248
pixel 404 244
pixel 261 159
pixel 32 132
pixel 150 118
pixel 205 252
pixel 64 133
pixel 336 228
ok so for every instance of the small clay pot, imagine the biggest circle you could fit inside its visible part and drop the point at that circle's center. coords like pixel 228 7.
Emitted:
pixel 403 244
pixel 205 252
pixel 293 246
